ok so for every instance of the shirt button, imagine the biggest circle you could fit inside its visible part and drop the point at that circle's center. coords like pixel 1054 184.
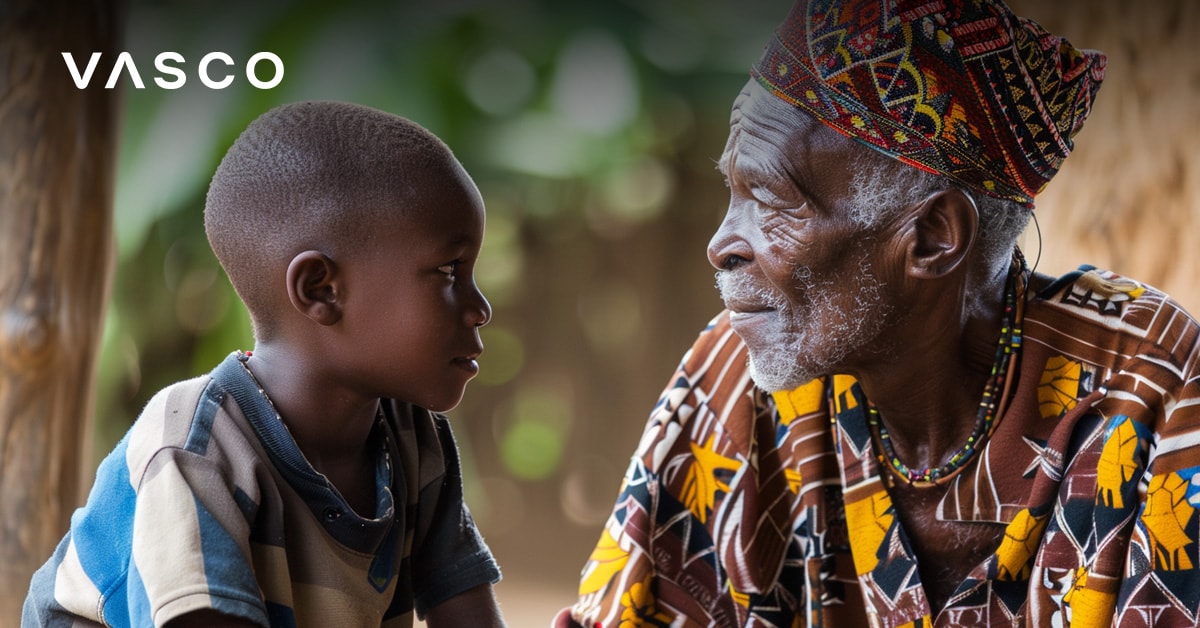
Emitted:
pixel 333 514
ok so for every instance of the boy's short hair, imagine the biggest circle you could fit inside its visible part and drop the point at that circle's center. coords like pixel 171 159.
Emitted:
pixel 310 175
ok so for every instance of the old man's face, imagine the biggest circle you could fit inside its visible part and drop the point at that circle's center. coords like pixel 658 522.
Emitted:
pixel 802 280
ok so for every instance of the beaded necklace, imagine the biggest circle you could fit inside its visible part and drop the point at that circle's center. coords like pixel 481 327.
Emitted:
pixel 995 393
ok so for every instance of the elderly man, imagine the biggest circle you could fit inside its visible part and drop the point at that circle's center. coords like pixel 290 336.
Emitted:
pixel 896 422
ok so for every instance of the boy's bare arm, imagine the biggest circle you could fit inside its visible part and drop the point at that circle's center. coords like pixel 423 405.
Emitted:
pixel 475 607
pixel 209 618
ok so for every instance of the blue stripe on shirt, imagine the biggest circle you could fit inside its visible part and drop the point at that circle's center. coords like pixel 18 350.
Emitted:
pixel 103 531
pixel 200 431
pixel 231 584
pixel 138 600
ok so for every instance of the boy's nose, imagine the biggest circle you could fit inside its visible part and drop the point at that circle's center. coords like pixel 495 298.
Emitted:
pixel 480 311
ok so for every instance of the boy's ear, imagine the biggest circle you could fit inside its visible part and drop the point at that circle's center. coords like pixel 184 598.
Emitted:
pixel 946 226
pixel 314 287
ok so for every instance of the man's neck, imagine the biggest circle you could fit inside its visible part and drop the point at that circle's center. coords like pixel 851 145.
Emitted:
pixel 927 388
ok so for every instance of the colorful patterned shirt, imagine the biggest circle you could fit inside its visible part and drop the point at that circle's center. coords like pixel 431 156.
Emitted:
pixel 746 509
pixel 208 503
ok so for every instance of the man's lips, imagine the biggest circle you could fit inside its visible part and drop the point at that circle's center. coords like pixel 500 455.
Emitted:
pixel 747 307
pixel 745 316
pixel 743 295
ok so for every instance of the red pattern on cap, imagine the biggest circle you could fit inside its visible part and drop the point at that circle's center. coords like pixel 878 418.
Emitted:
pixel 962 88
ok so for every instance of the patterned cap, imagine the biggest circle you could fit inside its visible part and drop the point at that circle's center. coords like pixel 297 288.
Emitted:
pixel 962 88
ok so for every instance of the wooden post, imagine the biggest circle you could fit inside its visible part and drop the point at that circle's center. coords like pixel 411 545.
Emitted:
pixel 57 165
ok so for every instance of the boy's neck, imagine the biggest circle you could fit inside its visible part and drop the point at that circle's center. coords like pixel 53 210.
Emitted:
pixel 330 423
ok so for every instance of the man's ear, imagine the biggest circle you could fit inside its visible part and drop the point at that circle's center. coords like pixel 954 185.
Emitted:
pixel 946 226
pixel 314 287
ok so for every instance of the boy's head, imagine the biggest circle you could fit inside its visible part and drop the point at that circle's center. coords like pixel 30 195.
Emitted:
pixel 339 218
pixel 309 175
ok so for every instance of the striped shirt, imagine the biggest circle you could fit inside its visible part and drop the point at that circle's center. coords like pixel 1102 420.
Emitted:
pixel 207 502
pixel 746 509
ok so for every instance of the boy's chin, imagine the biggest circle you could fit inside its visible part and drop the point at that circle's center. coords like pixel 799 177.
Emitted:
pixel 446 403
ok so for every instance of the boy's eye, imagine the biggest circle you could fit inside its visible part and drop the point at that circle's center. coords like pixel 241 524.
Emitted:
pixel 448 269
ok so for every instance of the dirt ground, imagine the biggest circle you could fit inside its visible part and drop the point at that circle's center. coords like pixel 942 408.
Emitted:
pixel 528 603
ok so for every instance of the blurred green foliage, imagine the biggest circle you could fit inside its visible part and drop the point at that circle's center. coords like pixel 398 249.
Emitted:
pixel 591 129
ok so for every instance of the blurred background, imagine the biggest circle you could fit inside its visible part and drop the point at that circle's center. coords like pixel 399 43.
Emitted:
pixel 592 131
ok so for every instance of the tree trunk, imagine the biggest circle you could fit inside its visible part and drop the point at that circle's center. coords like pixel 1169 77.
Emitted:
pixel 57 165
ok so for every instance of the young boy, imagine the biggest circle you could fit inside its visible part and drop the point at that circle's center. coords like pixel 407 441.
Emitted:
pixel 309 482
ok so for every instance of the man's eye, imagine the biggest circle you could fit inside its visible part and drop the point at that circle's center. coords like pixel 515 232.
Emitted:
pixel 768 198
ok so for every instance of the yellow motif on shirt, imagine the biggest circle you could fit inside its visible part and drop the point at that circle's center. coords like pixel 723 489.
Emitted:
pixel 841 393
pixel 1021 540
pixel 742 599
pixel 1059 387
pixel 868 521
pixel 701 485
pixel 1118 463
pixel 1167 512
pixel 804 399
pixel 606 561
pixel 1114 289
pixel 1089 607
pixel 794 480
pixel 639 607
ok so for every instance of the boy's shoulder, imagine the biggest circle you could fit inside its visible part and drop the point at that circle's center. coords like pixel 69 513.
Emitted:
pixel 166 420
pixel 173 405
pixel 197 416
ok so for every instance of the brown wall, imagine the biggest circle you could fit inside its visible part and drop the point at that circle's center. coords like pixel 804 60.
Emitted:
pixel 1128 198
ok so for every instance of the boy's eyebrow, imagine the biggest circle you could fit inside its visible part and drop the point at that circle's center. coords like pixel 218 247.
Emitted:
pixel 459 239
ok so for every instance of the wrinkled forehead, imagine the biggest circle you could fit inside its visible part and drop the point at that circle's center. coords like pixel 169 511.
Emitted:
pixel 769 135
pixel 757 114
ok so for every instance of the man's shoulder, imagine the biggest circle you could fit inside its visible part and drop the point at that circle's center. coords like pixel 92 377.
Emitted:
pixel 1098 307
pixel 1105 295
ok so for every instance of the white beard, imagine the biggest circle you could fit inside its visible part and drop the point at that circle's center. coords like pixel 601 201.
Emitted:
pixel 808 339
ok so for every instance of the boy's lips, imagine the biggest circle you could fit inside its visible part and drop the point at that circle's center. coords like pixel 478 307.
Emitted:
pixel 469 361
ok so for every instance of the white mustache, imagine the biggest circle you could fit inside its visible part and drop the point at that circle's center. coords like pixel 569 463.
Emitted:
pixel 740 287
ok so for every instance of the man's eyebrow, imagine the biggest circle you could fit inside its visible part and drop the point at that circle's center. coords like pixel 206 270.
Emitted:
pixel 798 176
pixel 801 181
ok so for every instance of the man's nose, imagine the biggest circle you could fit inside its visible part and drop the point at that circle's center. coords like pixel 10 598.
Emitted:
pixel 728 247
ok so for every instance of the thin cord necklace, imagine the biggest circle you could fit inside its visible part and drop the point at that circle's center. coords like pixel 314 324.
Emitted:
pixel 995 393
pixel 244 358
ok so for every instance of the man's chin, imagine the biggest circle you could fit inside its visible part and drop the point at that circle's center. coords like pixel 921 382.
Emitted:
pixel 779 379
